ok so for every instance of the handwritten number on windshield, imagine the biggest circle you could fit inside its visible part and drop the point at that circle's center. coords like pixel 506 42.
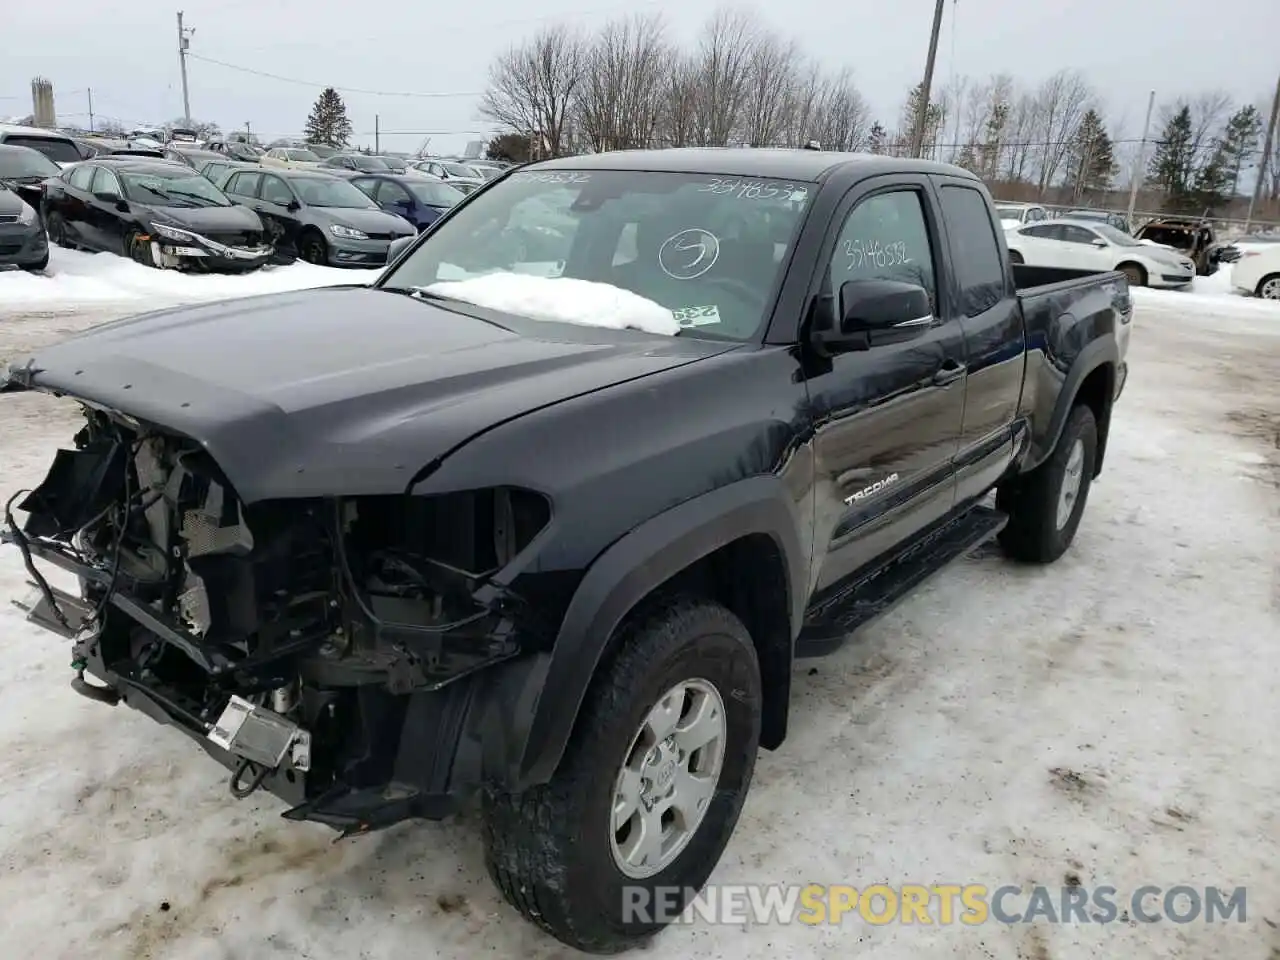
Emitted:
pixel 752 190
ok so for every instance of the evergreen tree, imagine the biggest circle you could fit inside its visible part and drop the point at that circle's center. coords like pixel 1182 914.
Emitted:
pixel 1213 180
pixel 1091 161
pixel 877 138
pixel 968 157
pixel 1172 163
pixel 328 123
pixel 933 117
pixel 1240 142
pixel 993 140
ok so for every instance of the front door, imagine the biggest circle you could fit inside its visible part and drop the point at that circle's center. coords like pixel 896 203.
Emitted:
pixel 887 420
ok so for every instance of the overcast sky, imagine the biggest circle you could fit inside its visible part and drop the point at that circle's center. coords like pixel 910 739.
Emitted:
pixel 127 54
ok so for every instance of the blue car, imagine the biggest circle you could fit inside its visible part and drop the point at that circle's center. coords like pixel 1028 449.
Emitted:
pixel 417 199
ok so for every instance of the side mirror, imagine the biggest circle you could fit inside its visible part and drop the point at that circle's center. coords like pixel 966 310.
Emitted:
pixel 399 246
pixel 874 313
pixel 106 197
pixel 293 206
pixel 1099 243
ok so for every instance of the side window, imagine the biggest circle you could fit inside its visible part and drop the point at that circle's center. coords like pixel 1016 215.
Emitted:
pixel 244 184
pixel 1073 234
pixel 389 192
pixel 974 250
pixel 885 237
pixel 274 190
pixel 104 181
pixel 1048 231
pixel 368 187
pixel 81 177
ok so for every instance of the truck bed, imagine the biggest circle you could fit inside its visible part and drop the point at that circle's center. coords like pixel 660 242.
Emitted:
pixel 1034 280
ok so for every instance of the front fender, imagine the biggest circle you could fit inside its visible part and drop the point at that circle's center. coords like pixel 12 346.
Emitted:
pixel 622 576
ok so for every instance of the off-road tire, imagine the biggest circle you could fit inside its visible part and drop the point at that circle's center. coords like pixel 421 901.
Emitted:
pixel 549 849
pixel 1032 534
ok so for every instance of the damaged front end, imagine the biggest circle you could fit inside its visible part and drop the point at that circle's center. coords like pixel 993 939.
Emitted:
pixel 311 646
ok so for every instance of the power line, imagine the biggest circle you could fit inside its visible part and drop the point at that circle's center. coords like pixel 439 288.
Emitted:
pixel 315 83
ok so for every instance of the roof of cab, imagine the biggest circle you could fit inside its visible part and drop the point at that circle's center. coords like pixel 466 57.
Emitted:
pixel 810 165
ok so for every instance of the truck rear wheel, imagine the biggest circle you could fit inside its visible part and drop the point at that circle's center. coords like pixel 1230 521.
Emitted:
pixel 649 789
pixel 1045 506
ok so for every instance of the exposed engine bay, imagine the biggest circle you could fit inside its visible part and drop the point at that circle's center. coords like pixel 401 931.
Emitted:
pixel 288 636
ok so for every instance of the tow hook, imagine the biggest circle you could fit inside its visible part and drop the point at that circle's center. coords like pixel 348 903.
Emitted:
pixel 90 690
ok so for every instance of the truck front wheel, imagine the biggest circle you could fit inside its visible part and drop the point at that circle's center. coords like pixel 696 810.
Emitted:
pixel 649 789
pixel 1045 505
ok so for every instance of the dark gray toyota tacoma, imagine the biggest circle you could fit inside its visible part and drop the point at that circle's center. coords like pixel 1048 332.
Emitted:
pixel 382 550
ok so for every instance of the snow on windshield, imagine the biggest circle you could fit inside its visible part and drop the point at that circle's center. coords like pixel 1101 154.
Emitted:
pixel 565 299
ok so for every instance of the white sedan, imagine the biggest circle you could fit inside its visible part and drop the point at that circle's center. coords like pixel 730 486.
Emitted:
pixel 1097 246
pixel 293 158
pixel 1257 272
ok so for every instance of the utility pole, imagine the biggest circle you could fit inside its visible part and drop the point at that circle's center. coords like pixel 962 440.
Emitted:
pixel 90 93
pixel 926 88
pixel 1142 160
pixel 1266 155
pixel 377 142
pixel 184 41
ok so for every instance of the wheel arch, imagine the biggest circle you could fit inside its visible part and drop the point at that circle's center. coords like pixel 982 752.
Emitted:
pixel 738 545
pixel 1090 380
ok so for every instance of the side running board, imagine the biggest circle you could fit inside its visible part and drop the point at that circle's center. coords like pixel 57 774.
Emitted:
pixel 830 619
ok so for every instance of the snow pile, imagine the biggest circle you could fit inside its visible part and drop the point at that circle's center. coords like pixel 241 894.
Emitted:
pixel 76 277
pixel 564 299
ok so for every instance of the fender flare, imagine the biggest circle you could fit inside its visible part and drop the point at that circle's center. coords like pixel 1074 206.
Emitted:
pixel 628 571
pixel 1101 351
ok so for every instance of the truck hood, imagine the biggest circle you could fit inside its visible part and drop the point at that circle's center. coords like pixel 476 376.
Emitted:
pixel 338 391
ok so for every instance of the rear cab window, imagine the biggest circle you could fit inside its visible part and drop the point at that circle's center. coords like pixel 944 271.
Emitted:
pixel 975 252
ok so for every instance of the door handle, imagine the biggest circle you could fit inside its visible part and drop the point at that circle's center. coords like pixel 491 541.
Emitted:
pixel 949 372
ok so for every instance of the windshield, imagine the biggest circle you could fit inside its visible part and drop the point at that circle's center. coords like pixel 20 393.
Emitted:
pixel 708 249
pixel 1112 235
pixel 1010 213
pixel 59 151
pixel 371 164
pixel 323 152
pixel 458 170
pixel 180 188
pixel 304 155
pixel 435 194
pixel 18 163
pixel 394 165
pixel 317 192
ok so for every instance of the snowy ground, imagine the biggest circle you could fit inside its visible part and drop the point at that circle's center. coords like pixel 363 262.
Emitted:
pixel 1113 718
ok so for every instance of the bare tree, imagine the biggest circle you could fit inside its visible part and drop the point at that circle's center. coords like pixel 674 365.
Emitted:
pixel 803 104
pixel 771 79
pixel 533 87
pixel 842 118
pixel 723 60
pixel 619 101
pixel 679 123
pixel 1021 129
pixel 1061 103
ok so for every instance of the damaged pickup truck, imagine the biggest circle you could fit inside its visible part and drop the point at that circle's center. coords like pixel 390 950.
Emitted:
pixel 551 530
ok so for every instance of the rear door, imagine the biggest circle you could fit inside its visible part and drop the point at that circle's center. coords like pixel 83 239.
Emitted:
pixel 103 218
pixel 984 301
pixel 73 206
pixel 887 419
